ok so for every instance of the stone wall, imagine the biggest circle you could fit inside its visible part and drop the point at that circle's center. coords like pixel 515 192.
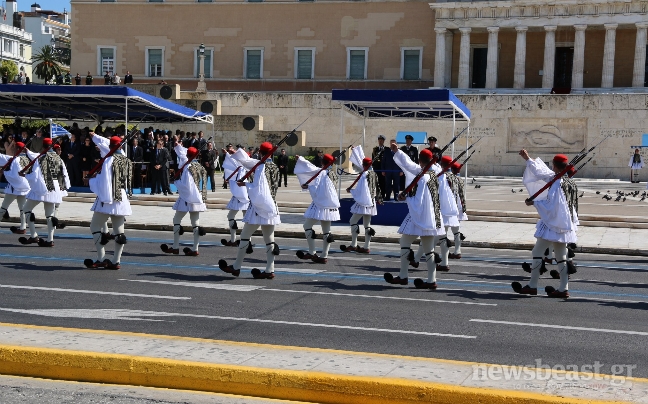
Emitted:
pixel 543 124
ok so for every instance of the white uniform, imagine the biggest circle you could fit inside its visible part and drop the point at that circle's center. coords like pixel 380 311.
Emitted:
pixel 16 189
pixel 107 207
pixel 635 166
pixel 556 226
pixel 325 207
pixel 365 203
pixel 240 200
pixel 421 220
pixel 38 193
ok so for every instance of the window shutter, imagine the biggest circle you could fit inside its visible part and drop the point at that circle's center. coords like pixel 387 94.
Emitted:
pixel 253 64
pixel 357 65
pixel 305 64
pixel 411 64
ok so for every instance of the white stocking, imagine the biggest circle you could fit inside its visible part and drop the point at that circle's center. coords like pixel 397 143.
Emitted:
pixel 405 244
pixel 560 252
pixel 195 223
pixel 268 238
pixel 118 230
pixel 231 222
pixel 29 210
pixel 427 243
pixel 177 225
pixel 246 236
pixel 326 232
pixel 96 227
pixel 355 229
pixel 537 254
pixel 308 231
pixel 457 239
pixel 366 220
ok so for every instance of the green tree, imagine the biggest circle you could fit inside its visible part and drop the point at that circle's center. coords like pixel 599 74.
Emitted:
pixel 48 64
pixel 9 68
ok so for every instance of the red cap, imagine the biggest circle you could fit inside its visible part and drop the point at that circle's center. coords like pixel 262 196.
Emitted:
pixel 192 152
pixel 456 165
pixel 265 148
pixel 366 161
pixel 560 158
pixel 20 145
pixel 47 142
pixel 446 160
pixel 115 140
pixel 56 146
pixel 425 154
pixel 328 159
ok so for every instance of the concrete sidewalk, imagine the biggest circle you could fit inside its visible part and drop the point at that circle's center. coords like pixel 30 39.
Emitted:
pixel 292 373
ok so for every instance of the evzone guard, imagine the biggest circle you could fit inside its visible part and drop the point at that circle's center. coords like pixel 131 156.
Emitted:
pixel 449 212
pixel 556 227
pixel 47 177
pixel 262 211
pixel 192 195
pixel 424 219
pixel 240 200
pixel 325 208
pixel 366 195
pixel 457 187
pixel 18 186
pixel 113 185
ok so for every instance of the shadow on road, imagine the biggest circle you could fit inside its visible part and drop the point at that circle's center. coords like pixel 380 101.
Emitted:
pixel 185 277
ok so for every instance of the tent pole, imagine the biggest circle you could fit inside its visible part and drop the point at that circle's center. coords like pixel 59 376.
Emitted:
pixel 454 128
pixel 466 172
pixel 341 136
pixel 364 129
pixel 126 125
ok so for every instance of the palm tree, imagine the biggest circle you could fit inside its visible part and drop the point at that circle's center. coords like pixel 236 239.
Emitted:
pixel 48 64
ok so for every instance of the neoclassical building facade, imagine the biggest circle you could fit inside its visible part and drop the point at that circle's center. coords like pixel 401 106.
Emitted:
pixel 278 45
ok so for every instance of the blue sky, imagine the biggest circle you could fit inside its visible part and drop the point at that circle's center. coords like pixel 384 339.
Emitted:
pixel 56 5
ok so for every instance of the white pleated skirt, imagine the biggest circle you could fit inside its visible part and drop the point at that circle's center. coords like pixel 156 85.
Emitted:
pixel 122 208
pixel 252 217
pixel 544 232
pixel 235 204
pixel 364 210
pixel 410 228
pixel 313 212
pixel 452 221
pixel 9 189
pixel 183 206
pixel 463 217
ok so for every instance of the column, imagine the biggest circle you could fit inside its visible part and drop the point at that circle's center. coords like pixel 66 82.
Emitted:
pixel 491 58
pixel 579 56
pixel 639 72
pixel 607 81
pixel 464 58
pixel 519 72
pixel 549 65
pixel 447 81
pixel 439 58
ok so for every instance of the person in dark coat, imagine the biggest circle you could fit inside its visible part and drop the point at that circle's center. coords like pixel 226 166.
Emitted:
pixel 135 153
pixel 376 156
pixel 317 161
pixel 208 160
pixel 391 172
pixel 412 153
pixel 160 168
pixel 282 163
pixel 87 158
pixel 72 151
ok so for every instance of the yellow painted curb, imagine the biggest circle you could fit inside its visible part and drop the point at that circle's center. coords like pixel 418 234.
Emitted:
pixel 249 381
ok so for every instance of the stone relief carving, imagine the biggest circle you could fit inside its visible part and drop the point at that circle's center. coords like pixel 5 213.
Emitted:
pixel 547 135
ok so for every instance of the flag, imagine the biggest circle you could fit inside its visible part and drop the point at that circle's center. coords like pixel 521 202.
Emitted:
pixel 57 131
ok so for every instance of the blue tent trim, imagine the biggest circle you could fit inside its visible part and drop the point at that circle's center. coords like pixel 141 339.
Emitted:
pixel 96 103
pixel 404 104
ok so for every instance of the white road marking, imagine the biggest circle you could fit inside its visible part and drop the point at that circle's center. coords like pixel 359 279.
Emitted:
pixel 380 297
pixel 220 286
pixel 561 327
pixel 94 292
pixel 119 314
pixel 248 288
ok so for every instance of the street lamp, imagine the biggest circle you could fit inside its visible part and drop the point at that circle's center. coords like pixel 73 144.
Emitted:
pixel 202 87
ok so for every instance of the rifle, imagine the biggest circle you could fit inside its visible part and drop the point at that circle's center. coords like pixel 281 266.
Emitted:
pixel 581 166
pixel 577 159
pixel 232 174
pixel 465 161
pixel 178 173
pixel 417 178
pixel 271 152
pixel 31 163
pixel 8 165
pixel 97 168
pixel 325 167
pixel 459 156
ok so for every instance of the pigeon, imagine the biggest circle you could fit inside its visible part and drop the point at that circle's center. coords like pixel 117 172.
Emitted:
pixel 607 197
pixel 477 186
pixel 513 190
pixel 618 198
pixel 624 199
pixel 642 199
pixel 643 193
pixel 598 192
pixel 472 181
pixel 581 195
pixel 521 190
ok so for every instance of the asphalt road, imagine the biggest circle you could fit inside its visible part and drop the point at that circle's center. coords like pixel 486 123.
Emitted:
pixel 25 390
pixel 345 304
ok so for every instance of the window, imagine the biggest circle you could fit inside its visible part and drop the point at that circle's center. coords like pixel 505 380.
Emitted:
pixel 106 60
pixel 46 30
pixel 154 59
pixel 8 46
pixel 411 63
pixel 208 63
pixel 304 63
pixel 253 63
pixel 357 63
pixel 22 50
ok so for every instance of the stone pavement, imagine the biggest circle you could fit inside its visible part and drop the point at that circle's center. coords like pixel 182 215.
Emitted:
pixel 498 217
pixel 290 372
